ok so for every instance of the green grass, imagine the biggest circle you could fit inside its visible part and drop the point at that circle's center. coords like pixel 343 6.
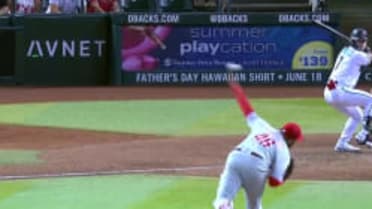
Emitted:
pixel 170 117
pixel 12 157
pixel 170 192
pixel 173 117
pixel 80 193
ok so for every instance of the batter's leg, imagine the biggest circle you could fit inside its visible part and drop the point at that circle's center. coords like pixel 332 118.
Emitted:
pixel 367 124
pixel 362 99
pixel 364 136
pixel 355 117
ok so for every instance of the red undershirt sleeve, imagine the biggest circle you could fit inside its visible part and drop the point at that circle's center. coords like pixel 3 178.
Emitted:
pixel 243 102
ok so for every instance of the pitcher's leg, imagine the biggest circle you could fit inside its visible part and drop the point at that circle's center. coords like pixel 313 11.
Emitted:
pixel 254 186
pixel 254 202
pixel 229 184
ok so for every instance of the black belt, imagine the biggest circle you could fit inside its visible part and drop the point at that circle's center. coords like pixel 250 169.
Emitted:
pixel 254 154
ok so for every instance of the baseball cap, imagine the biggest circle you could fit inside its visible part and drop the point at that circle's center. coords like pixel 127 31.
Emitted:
pixel 292 130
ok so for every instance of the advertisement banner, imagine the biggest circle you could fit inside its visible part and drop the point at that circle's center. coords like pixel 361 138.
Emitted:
pixel 308 77
pixel 201 18
pixel 62 50
pixel 208 47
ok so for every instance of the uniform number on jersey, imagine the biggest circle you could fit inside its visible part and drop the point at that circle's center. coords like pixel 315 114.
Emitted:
pixel 264 140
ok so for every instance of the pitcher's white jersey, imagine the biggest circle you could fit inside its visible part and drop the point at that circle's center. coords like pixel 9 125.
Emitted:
pixel 269 143
pixel 262 157
pixel 346 70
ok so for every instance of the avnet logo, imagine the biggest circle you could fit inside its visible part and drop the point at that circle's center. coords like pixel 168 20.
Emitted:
pixel 65 48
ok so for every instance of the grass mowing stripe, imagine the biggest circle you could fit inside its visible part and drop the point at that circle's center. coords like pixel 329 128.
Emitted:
pixel 171 192
pixel 187 192
pixel 122 116
pixel 228 121
pixel 327 194
pixel 114 192
pixel 274 196
pixel 11 157
pixel 13 189
pixel 159 117
pixel 198 193
pixel 21 113
pixel 175 117
pixel 308 112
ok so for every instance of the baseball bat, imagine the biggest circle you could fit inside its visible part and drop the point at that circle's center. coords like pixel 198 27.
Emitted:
pixel 320 23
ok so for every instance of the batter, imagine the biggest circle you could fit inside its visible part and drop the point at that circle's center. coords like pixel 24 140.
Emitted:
pixel 340 91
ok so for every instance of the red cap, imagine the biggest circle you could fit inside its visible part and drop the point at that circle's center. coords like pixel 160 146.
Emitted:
pixel 292 131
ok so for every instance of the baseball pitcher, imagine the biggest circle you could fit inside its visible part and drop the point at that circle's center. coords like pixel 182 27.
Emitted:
pixel 340 91
pixel 262 156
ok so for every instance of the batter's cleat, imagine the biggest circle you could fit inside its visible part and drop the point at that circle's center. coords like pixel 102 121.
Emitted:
pixel 369 144
pixel 346 147
pixel 362 137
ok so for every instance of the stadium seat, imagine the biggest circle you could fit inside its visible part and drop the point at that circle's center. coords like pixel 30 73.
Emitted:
pixel 138 5
pixel 205 5
pixel 268 5
pixel 82 6
pixel 319 5
pixel 176 6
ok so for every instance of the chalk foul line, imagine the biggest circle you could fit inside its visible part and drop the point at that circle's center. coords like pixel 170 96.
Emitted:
pixel 112 172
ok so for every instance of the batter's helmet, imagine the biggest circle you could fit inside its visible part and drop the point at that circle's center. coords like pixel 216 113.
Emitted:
pixel 359 34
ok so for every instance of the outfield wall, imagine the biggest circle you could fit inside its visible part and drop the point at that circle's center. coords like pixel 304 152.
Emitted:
pixel 167 48
pixel 59 50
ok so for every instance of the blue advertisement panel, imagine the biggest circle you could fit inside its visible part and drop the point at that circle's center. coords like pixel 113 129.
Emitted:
pixel 208 47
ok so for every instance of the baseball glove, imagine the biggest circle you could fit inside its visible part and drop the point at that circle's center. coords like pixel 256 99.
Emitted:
pixel 289 170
